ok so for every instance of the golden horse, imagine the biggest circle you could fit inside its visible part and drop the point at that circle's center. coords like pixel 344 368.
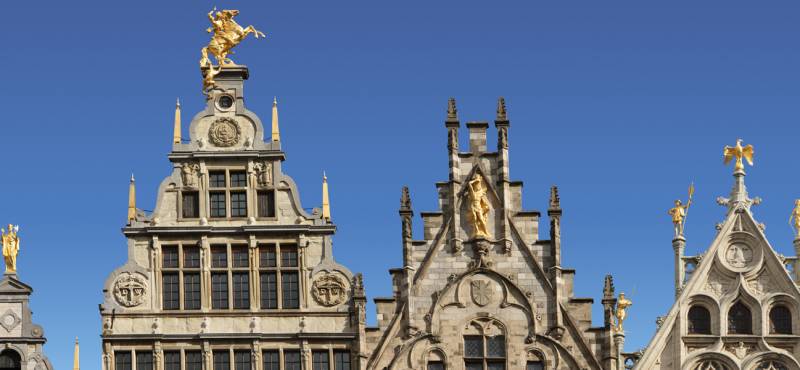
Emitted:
pixel 227 34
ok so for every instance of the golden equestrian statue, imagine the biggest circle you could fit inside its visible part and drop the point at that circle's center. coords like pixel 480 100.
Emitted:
pixel 622 311
pixel 227 34
pixel 739 152
pixel 794 219
pixel 11 248
pixel 478 207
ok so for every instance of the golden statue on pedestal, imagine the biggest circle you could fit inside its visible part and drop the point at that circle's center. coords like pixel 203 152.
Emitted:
pixel 680 211
pixel 227 34
pixel 794 219
pixel 738 152
pixel 10 248
pixel 622 311
pixel 478 208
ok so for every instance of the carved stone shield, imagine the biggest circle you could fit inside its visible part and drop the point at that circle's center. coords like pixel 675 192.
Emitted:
pixel 481 292
pixel 130 290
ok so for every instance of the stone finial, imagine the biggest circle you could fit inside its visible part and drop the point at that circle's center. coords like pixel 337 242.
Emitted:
pixel 76 361
pixel 326 203
pixel 176 129
pixel 608 287
pixel 276 133
pixel 555 200
pixel 452 112
pixel 132 200
pixel 358 285
pixel 501 110
pixel 405 200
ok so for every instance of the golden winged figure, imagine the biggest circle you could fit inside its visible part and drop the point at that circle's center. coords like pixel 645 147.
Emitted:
pixel 739 152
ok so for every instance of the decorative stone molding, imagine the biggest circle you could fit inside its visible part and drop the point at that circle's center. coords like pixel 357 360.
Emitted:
pixel 224 132
pixel 329 289
pixel 10 320
pixel 130 290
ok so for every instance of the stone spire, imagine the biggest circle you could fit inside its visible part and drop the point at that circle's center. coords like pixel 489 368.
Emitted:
pixel 176 130
pixel 76 364
pixel 406 214
pixel 326 204
pixel 609 301
pixel 132 201
pixel 608 287
pixel 276 134
pixel 502 123
pixel 555 200
pixel 452 112
pixel 501 110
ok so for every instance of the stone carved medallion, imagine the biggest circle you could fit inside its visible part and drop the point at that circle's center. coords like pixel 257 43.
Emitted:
pixel 739 255
pixel 481 292
pixel 9 320
pixel 224 132
pixel 130 290
pixel 329 290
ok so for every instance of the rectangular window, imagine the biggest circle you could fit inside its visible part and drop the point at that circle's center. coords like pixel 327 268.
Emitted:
pixel 271 360
pixel 269 290
pixel 191 291
pixel 241 290
pixel 219 290
pixel 219 256
pixel 240 256
pixel 194 360
pixel 171 291
pixel 267 256
pixel 288 256
pixel 291 360
pixel 144 360
pixel 191 257
pixel 291 290
pixel 473 346
pixel 496 346
pixel 169 256
pixel 319 360
pixel 238 204
pixel 222 360
pixel 122 361
pixel 190 202
pixel 474 365
pixel 172 360
pixel 435 365
pixel 238 179
pixel 218 204
pixel 216 179
pixel 535 365
pixel 241 360
pixel 496 365
pixel 266 203
pixel 341 360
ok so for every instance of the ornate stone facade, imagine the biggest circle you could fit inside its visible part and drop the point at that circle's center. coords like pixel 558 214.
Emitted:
pixel 739 306
pixel 21 341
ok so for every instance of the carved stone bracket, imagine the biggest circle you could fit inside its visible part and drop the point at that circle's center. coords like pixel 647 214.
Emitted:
pixel 481 247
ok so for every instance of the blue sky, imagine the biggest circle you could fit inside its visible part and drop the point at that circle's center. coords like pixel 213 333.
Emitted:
pixel 621 104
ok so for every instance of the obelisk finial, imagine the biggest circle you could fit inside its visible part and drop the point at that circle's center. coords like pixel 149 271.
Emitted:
pixel 76 364
pixel 276 134
pixel 132 200
pixel 326 203
pixel 176 130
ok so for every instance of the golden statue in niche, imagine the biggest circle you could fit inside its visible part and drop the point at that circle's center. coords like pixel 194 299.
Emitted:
pixel 226 35
pixel 11 248
pixel 478 208
pixel 794 219
pixel 622 311
pixel 738 152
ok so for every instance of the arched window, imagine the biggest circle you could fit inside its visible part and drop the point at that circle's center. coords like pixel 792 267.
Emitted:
pixel 484 346
pixel 436 361
pixel 535 361
pixel 711 365
pixel 699 320
pixel 740 320
pixel 772 365
pixel 9 360
pixel 780 320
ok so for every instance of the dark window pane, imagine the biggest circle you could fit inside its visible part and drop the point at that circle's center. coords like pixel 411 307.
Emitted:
pixel 191 291
pixel 222 360
pixel 144 360
pixel 269 290
pixel 216 179
pixel 238 179
pixel 780 320
pixel 217 204
pixel 473 346
pixel 191 204
pixel 240 256
pixel 291 290
pixel 194 360
pixel 172 360
pixel 740 321
pixel 291 360
pixel 535 365
pixel 496 346
pixel 266 203
pixel 474 365
pixel 241 290
pixel 341 360
pixel 238 204
pixel 699 320
pixel 271 360
pixel 319 360
pixel 288 256
pixel 122 361
pixel 219 256
pixel 498 365
pixel 219 290
pixel 435 365
pixel 169 256
pixel 267 256
pixel 191 257
pixel 170 291
pixel 241 360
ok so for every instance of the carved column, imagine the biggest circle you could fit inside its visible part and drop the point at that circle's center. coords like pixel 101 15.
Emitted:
pixel 619 341
pixel 254 293
pixel 205 262
pixel 679 246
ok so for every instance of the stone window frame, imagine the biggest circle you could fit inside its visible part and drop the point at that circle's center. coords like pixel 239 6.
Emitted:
pixel 231 270
pixel 753 319
pixel 231 350
pixel 279 270
pixel 133 350
pixel 330 350
pixel 181 270
pixel 534 355
pixel 481 327
pixel 435 354
pixel 789 303
pixel 714 311
pixel 227 189
pixel 182 354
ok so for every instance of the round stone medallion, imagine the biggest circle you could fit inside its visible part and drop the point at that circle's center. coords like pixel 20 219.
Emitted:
pixel 130 290
pixel 739 255
pixel 224 132
pixel 329 290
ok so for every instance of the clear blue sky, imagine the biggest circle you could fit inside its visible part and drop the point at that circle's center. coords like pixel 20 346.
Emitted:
pixel 621 105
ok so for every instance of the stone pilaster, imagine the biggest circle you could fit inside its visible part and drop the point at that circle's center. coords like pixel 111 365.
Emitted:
pixel 619 344
pixel 679 246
